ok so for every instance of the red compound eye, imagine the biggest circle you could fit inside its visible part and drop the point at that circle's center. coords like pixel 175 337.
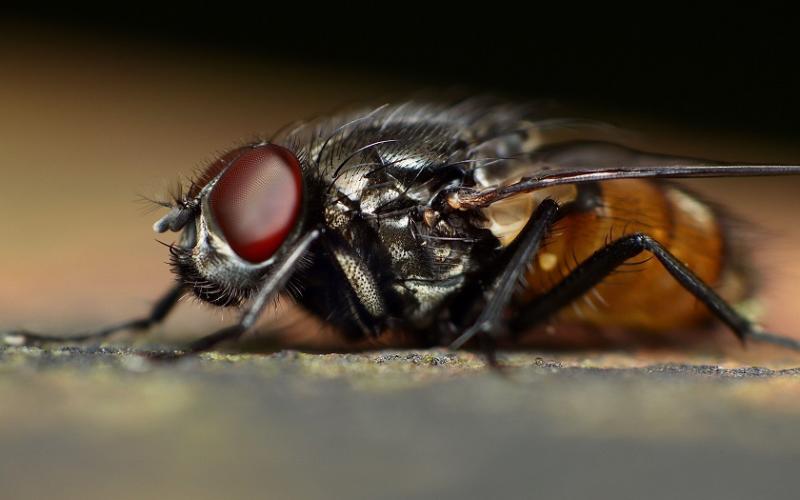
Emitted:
pixel 257 199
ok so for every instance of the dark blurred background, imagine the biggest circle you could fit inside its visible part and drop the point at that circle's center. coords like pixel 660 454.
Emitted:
pixel 738 72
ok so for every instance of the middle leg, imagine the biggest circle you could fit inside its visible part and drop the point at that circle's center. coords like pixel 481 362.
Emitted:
pixel 501 290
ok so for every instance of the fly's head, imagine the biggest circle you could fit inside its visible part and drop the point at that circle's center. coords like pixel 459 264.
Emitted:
pixel 237 219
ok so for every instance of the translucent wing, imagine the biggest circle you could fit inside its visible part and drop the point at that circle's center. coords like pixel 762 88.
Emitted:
pixel 592 161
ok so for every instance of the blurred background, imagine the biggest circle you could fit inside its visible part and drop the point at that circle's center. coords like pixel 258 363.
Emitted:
pixel 99 106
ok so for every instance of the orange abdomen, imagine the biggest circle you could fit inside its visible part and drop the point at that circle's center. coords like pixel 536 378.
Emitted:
pixel 641 294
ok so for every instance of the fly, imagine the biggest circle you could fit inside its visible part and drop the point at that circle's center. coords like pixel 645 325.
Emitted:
pixel 426 219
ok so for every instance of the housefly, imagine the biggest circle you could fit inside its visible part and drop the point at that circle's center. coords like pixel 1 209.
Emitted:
pixel 457 224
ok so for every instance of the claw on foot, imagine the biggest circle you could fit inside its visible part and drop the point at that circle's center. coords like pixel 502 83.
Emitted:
pixel 15 339
pixel 21 338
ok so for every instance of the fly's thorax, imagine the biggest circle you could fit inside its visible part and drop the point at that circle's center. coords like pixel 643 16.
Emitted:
pixel 337 216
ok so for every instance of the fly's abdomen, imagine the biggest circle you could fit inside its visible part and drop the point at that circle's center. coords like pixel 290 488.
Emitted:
pixel 641 294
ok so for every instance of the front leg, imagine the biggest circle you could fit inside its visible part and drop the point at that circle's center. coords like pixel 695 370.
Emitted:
pixel 273 283
pixel 157 314
pixel 498 296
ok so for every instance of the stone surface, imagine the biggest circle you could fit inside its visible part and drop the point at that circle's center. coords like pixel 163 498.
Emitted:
pixel 106 423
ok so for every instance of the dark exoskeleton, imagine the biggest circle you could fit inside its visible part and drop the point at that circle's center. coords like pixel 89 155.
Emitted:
pixel 390 229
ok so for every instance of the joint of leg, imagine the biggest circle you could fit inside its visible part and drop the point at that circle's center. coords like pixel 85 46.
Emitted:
pixel 641 241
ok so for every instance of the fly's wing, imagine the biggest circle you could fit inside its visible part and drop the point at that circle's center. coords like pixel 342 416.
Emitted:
pixel 581 162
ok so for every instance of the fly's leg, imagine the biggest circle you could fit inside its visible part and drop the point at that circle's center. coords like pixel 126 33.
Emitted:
pixel 604 261
pixel 275 282
pixel 499 294
pixel 159 311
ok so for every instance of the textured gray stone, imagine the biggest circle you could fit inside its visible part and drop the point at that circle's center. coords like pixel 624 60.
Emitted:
pixel 104 423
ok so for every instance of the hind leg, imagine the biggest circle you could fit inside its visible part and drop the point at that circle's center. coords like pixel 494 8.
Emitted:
pixel 599 265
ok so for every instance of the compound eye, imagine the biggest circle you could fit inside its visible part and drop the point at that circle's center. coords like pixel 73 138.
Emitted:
pixel 257 200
